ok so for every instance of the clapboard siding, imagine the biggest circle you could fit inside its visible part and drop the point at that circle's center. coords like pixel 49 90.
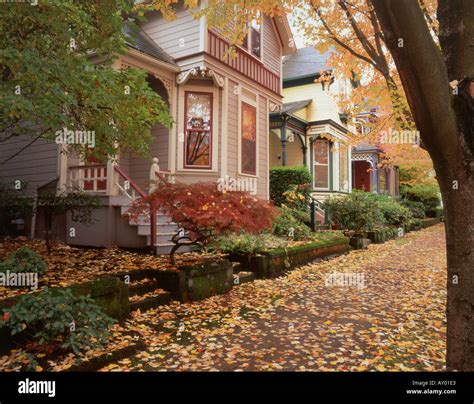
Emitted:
pixel 168 33
pixel 262 148
pixel 35 165
pixel 324 103
pixel 232 139
pixel 139 168
pixel 271 46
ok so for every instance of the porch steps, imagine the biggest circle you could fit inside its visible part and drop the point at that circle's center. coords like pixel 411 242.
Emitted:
pixel 165 230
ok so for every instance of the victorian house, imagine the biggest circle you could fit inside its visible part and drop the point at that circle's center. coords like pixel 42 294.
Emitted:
pixel 220 106
pixel 311 130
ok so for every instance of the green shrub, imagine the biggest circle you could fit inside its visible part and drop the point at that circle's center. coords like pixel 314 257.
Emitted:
pixel 289 224
pixel 394 213
pixel 417 209
pixel 428 195
pixel 416 224
pixel 24 260
pixel 58 319
pixel 248 244
pixel 359 212
pixel 290 186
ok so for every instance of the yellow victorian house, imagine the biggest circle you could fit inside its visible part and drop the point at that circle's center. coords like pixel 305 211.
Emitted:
pixel 308 129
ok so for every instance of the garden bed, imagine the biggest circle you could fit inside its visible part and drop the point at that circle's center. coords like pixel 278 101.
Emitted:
pixel 70 265
pixel 273 263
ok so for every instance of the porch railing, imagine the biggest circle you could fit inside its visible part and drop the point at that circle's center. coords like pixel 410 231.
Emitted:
pixel 88 178
pixel 126 185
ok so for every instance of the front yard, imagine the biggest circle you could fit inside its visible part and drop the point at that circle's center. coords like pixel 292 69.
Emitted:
pixel 392 318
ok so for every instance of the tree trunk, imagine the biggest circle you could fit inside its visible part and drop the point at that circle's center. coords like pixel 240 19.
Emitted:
pixel 444 117
pixel 459 217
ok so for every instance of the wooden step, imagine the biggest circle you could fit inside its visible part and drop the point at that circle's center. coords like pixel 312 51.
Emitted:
pixel 142 287
pixel 150 300
pixel 243 277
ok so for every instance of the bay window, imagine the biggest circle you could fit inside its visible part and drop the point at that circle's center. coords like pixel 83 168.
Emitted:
pixel 321 163
pixel 198 130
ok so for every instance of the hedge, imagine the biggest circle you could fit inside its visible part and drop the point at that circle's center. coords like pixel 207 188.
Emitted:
pixel 283 178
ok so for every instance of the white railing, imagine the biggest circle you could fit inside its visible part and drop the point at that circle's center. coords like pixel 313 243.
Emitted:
pixel 88 178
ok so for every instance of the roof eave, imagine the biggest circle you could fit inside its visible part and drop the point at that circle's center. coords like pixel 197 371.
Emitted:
pixel 148 58
pixel 284 29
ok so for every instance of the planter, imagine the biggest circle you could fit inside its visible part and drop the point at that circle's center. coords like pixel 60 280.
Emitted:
pixel 274 263
pixel 207 279
pixel 197 281
pixel 430 221
pixel 358 243
pixel 377 237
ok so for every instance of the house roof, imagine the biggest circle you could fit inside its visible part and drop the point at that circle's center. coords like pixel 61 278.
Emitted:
pixel 285 34
pixel 138 40
pixel 366 148
pixel 304 63
pixel 294 106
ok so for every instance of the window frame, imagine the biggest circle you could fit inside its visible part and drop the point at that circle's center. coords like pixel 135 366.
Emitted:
pixel 185 131
pixel 346 154
pixel 254 103
pixel 247 44
pixel 181 129
pixel 328 165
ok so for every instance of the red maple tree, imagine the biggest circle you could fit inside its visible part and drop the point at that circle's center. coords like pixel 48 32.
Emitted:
pixel 202 211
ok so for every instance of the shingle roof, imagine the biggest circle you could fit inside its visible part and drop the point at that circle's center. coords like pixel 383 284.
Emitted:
pixel 294 106
pixel 138 40
pixel 304 62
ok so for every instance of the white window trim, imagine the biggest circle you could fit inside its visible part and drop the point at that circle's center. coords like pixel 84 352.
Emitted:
pixel 348 173
pixel 248 50
pixel 242 98
pixel 215 128
pixel 328 165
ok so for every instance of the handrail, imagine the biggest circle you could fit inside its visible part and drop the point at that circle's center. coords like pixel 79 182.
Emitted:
pixel 130 181
pixel 162 174
pixel 315 205
pixel 86 166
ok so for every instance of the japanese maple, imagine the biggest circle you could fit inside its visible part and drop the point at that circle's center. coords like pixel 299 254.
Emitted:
pixel 202 211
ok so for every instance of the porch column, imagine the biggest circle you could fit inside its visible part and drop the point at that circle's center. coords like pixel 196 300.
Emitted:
pixel 304 148
pixel 283 142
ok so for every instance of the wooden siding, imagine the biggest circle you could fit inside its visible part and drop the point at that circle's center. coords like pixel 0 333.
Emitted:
pixel 271 47
pixel 233 124
pixel 323 105
pixel 168 33
pixel 35 165
pixel 263 133
pixel 139 168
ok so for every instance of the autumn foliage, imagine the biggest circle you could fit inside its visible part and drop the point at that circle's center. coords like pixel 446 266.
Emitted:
pixel 202 211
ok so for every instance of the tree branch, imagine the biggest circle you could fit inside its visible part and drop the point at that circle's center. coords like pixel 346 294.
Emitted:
pixel 341 43
pixel 25 147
